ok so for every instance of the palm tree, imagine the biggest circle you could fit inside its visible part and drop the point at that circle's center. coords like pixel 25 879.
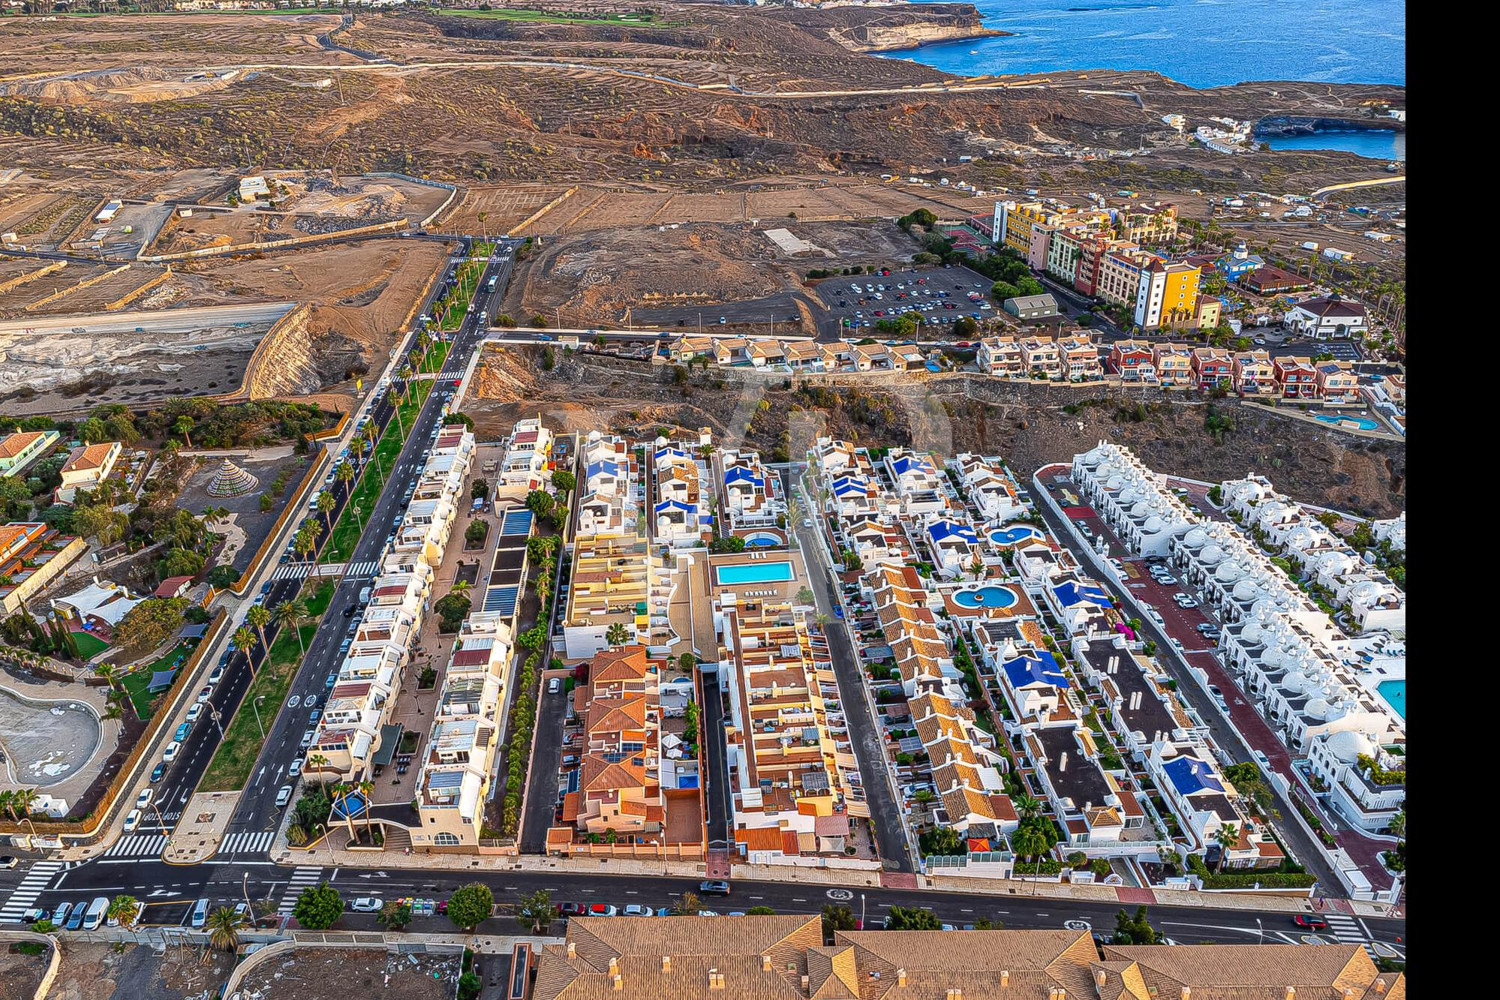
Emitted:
pixel 291 614
pixel 341 798
pixel 461 587
pixel 367 789
pixel 122 909
pixel 1398 824
pixel 326 503
pixel 344 474
pixel 111 673
pixel 1029 842
pixel 616 634
pixel 224 929
pixel 5 802
pixel 304 542
pixel 1026 806
pixel 184 426
pixel 21 801
pixel 296 835
pixel 258 617
pixel 1226 838
pixel 245 640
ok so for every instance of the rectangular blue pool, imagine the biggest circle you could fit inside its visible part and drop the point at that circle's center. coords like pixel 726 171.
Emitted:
pixel 1394 693
pixel 754 572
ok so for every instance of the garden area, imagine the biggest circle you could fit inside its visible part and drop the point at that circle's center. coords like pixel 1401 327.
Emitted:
pixel 137 683
pixel 237 753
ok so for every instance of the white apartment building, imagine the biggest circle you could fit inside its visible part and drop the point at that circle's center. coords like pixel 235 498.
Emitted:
pixel 607 503
pixel 917 483
pixel 1132 499
pixel 1392 531
pixel 528 452
pixel 988 487
pixel 679 514
pixel 751 497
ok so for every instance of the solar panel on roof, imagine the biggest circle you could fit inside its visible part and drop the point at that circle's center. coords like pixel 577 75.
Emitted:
pixel 445 779
pixel 517 522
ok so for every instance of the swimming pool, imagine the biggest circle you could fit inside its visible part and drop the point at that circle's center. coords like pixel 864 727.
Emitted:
pixel 1363 423
pixel 985 597
pixel 754 572
pixel 1394 693
pixel 1010 536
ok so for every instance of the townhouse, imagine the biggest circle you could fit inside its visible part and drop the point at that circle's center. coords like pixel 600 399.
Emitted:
pixel 1337 383
pixel 613 583
pixel 433 505
pixel 1392 531
pixel 1131 498
pixel 1173 364
pixel 1001 356
pixel 1296 378
pixel 619 782
pixel 1041 358
pixel 953 546
pixel 1254 374
pixel 1133 361
pixel 680 515
pixel 607 498
pixel 1096 813
pixel 1078 359
pixel 917 484
pixel 752 497
pixel 988 488
pixel 1147 224
pixel 1212 367
pixel 782 750
pixel 32 555
pixel 871 357
pixel 526 466
pixel 458 762
pixel 1119 278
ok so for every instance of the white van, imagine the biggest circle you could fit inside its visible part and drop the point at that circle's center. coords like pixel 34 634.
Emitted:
pixel 95 916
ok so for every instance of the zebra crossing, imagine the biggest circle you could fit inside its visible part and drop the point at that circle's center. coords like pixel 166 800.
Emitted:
pixel 140 845
pixel 293 571
pixel 365 567
pixel 302 570
pixel 29 889
pixel 247 842
pixel 302 878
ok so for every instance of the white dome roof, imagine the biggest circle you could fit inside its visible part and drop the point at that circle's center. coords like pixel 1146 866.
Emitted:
pixel 1211 555
pixel 1139 509
pixel 1095 455
pixel 1346 746
pixel 1318 708
pixel 1194 538
pixel 1114 482
pixel 1229 572
pixel 1336 563
pixel 1246 590
pixel 1154 523
pixel 1295 682
pixel 1251 633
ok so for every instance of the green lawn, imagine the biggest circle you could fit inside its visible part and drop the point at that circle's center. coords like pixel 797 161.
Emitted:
pixel 456 305
pixel 236 755
pixel 135 683
pixel 89 645
pixel 436 355
pixel 347 529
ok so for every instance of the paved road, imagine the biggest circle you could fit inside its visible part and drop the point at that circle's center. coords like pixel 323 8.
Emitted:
pixel 257 810
pixel 718 793
pixel 179 887
pixel 546 770
pixel 854 696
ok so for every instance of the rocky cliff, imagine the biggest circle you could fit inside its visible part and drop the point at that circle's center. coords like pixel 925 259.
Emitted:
pixel 904 26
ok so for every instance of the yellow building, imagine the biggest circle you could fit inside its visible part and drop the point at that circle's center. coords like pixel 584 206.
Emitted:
pixel 611 585
pixel 1167 295
pixel 1020 219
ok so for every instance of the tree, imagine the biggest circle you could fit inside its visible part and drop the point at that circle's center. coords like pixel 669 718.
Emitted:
pixel 15 498
pixel 470 906
pixel 687 905
pixel 258 617
pixel 245 640
pixel 805 595
pixel 760 911
pixel 150 623
pixel 122 909
pixel 479 490
pixel 452 608
pixel 912 918
pixel 223 576
pixel 1029 842
pixel 536 911
pixel 836 918
pixel 1134 930
pixel 345 474
pixel 686 662
pixel 183 427
pixel 224 929
pixel 1226 838
pixel 318 907
pixel 326 503
pixel 539 502
pixel 291 614
pixel 564 481
pixel 469 985
pixel 394 915
pixel 617 634
pixel 477 531
pixel 942 841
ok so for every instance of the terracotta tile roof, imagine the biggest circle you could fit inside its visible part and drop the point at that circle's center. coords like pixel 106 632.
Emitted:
pixel 18 442
pixel 1251 971
pixel 91 456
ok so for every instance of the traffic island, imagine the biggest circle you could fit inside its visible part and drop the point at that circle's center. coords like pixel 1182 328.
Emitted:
pixel 199 832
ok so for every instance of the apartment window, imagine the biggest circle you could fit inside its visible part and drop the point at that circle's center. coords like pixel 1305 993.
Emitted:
pixel 446 839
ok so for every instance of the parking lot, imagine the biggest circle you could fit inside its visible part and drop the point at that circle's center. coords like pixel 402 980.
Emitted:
pixel 1178 622
pixel 940 295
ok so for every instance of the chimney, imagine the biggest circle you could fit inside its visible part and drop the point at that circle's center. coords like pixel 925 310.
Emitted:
pixel 1005 977
pixel 765 963
pixel 1114 664
pixel 614 966
pixel 1187 993
pixel 572 950
pixel 1380 986
pixel 617 982
pixel 900 977
pixel 1100 978
pixel 666 963
pixel 955 994
pixel 715 979
pixel 1291 993
pixel 1062 762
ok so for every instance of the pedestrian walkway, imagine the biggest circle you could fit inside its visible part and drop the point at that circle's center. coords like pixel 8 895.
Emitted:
pixel 293 571
pixel 302 878
pixel 247 842
pixel 365 567
pixel 141 845
pixel 32 886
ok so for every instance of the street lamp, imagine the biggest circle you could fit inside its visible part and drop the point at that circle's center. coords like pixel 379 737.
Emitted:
pixel 213 713
pixel 255 706
pixel 861 911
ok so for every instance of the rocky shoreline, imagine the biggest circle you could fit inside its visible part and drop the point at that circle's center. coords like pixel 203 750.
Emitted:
pixel 897 27
pixel 1290 125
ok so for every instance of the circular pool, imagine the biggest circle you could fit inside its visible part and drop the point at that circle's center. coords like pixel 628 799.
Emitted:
pixel 985 597
pixel 1010 536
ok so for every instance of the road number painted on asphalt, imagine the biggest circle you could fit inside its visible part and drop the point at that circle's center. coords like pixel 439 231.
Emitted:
pixel 840 894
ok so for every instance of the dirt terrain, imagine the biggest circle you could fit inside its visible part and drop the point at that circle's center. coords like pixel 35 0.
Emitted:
pixel 102 972
pixel 1028 425
pixel 701 96
pixel 338 973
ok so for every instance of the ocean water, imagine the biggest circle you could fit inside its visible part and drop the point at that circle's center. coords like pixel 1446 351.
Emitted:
pixel 1376 145
pixel 1202 43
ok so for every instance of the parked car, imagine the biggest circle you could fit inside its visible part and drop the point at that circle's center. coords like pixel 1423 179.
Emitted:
pixel 200 913
pixel 193 712
pixel 170 753
pixel 713 887
pixel 602 910
pixel 366 904
pixel 294 768
pixel 157 772
pixel 637 910
pixel 144 799
pixel 283 795
pixel 554 685
pixel 7 861
pixel 572 909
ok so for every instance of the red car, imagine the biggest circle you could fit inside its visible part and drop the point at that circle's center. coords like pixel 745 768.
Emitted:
pixel 1310 921
pixel 572 909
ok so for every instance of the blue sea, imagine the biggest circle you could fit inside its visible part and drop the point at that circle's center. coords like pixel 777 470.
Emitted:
pixel 1377 145
pixel 1202 43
